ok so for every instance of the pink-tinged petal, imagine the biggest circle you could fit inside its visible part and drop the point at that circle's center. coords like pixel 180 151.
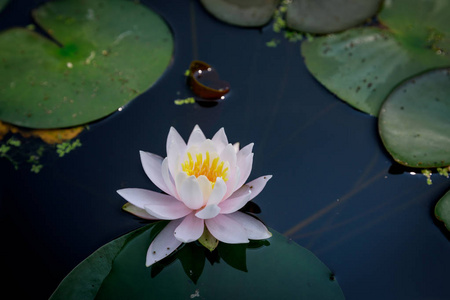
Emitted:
pixel 236 201
pixel 220 140
pixel 197 137
pixel 163 244
pixel 190 229
pixel 168 179
pixel 227 230
pixel 218 192
pixel 232 182
pixel 257 185
pixel 142 197
pixel 190 193
pixel 152 165
pixel 246 151
pixel 159 205
pixel 254 228
pixel 138 212
pixel 175 148
pixel 245 167
pixel 208 212
pixel 229 154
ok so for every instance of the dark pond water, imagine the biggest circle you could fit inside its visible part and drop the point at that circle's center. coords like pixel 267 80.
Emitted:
pixel 331 191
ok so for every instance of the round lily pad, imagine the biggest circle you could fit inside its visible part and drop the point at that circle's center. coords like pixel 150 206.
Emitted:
pixel 414 121
pixel 325 16
pixel 362 65
pixel 104 54
pixel 442 210
pixel 247 13
pixel 117 271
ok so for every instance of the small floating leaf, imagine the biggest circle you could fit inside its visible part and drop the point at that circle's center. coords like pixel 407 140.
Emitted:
pixel 362 65
pixel 108 53
pixel 414 121
pixel 247 13
pixel 442 210
pixel 205 82
pixel 325 16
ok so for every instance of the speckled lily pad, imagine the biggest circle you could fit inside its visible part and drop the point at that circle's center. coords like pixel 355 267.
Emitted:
pixel 442 210
pixel 325 16
pixel 247 13
pixel 414 121
pixel 117 271
pixel 362 65
pixel 106 53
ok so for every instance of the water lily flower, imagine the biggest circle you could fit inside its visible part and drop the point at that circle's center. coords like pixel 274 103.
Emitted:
pixel 204 188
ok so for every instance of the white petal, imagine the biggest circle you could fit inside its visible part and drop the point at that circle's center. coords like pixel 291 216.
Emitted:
pixel 190 229
pixel 205 186
pixel 190 193
pixel 175 148
pixel 245 166
pixel 220 140
pixel 179 179
pixel 163 244
pixel 168 179
pixel 210 211
pixel 236 147
pixel 138 212
pixel 258 185
pixel 254 228
pixel 229 154
pixel 206 145
pixel 227 230
pixel 142 197
pixel 236 201
pixel 197 137
pixel 219 190
pixel 152 165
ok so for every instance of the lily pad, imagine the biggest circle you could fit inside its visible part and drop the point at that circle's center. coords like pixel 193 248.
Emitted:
pixel 104 54
pixel 414 121
pixel 117 271
pixel 3 4
pixel 326 16
pixel 362 65
pixel 246 13
pixel 442 210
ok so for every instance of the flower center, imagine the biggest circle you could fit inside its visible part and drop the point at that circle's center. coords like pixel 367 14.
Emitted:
pixel 210 168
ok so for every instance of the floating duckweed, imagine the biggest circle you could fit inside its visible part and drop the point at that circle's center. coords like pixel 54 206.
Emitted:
pixel 64 148
pixel 278 17
pixel 427 173
pixel 189 100
pixel 14 142
pixel 36 168
pixel 443 171
pixel 273 43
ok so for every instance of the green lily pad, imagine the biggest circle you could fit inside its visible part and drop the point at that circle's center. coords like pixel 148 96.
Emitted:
pixel 117 271
pixel 3 4
pixel 442 210
pixel 246 13
pixel 325 16
pixel 362 65
pixel 105 54
pixel 414 121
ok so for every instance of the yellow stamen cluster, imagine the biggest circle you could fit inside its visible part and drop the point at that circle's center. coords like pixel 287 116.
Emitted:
pixel 199 167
